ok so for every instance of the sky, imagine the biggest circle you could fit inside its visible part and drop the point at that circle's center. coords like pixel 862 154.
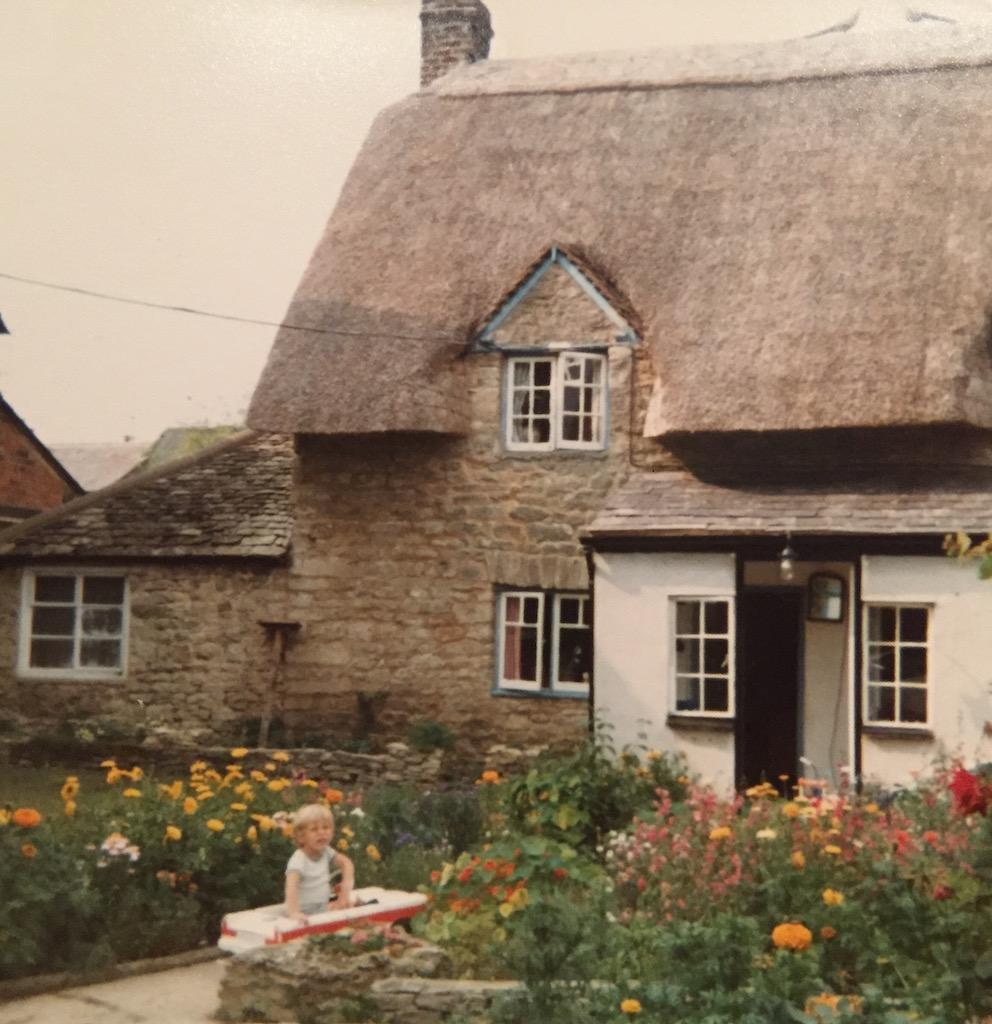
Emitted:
pixel 188 153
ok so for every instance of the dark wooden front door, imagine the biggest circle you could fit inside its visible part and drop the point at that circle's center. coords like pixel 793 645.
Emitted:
pixel 768 668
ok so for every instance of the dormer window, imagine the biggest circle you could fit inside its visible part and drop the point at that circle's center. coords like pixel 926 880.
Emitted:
pixel 555 401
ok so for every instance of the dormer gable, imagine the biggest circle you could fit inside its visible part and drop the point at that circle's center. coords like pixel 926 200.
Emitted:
pixel 560 301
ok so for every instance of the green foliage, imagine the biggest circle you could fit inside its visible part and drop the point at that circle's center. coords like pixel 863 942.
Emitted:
pixel 398 815
pixel 429 735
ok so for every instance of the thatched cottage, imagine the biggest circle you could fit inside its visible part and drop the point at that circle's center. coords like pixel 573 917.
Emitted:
pixel 647 385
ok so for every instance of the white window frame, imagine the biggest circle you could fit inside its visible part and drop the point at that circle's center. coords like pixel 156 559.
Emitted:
pixel 547 681
pixel 26 634
pixel 730 636
pixel 556 414
pixel 897 685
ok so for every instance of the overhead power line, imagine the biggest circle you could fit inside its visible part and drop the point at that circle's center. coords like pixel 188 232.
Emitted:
pixel 106 296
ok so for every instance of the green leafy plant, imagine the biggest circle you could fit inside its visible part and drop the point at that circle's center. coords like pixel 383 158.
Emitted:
pixel 430 735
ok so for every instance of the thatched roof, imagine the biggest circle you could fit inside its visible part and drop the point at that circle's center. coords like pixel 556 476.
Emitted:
pixel 232 500
pixel 804 229
pixel 680 505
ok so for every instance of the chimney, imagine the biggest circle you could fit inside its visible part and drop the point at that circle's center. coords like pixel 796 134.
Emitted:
pixel 452 32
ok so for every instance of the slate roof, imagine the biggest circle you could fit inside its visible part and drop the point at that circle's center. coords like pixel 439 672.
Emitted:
pixel 678 504
pixel 804 229
pixel 230 501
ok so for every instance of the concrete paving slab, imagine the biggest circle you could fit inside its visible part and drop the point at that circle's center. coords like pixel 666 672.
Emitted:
pixel 185 995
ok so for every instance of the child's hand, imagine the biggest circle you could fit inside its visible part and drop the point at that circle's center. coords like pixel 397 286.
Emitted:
pixel 298 915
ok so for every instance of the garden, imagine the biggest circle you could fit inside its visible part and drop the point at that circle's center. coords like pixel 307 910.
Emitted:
pixel 613 886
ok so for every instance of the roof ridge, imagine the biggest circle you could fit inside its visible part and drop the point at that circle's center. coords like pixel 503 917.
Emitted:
pixel 122 486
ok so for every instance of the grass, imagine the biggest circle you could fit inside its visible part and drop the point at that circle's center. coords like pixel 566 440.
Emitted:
pixel 22 786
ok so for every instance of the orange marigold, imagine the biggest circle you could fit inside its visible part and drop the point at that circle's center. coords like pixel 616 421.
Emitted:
pixel 792 935
pixel 26 817
pixel 630 1006
pixel 828 932
pixel 29 850
pixel 721 832
pixel 798 859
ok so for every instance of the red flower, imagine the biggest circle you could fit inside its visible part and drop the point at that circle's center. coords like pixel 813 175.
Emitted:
pixel 465 875
pixel 970 797
pixel 942 892
pixel 560 873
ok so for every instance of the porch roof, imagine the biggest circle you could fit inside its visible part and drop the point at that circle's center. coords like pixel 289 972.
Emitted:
pixel 680 504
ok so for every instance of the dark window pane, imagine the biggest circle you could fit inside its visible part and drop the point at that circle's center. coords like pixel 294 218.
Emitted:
pixel 715 656
pixel 572 400
pixel 51 654
pixel 102 621
pixel 100 653
pixel 881 623
pixel 593 370
pixel 520 653
pixel 913 625
pixel 521 429
pixel 687 617
pixel 912 704
pixel 55 588
pixel 882 703
pixel 512 608
pixel 103 590
pixel 570 428
pixel 574 661
pixel 542 403
pixel 881 663
pixel 686 655
pixel 528 654
pixel 687 694
pixel 568 609
pixel 586 611
pixel 913 664
pixel 542 373
pixel 716 617
pixel 717 694
pixel 531 609
pixel 541 431
pixel 589 430
pixel 53 621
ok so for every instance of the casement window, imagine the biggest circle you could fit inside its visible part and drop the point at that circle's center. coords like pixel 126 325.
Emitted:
pixel 702 656
pixel 896 664
pixel 556 401
pixel 544 641
pixel 73 625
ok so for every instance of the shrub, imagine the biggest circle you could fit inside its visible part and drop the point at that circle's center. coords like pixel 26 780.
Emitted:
pixel 430 735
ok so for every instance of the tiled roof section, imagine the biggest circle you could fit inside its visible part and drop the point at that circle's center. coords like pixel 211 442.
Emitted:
pixel 232 500
pixel 678 504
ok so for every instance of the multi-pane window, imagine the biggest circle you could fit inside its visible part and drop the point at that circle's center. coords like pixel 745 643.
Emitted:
pixel 703 656
pixel 556 401
pixel 545 641
pixel 897 664
pixel 73 624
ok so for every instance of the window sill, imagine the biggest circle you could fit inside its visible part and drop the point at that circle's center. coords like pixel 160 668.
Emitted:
pixel 897 732
pixel 541 694
pixel 703 722
pixel 550 453
pixel 70 677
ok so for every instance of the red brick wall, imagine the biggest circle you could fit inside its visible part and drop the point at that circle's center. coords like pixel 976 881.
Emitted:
pixel 27 481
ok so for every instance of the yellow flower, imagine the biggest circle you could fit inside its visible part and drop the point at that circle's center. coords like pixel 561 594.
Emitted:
pixel 70 788
pixel 280 755
pixel 238 752
pixel 257 775
pixel 278 785
pixel 265 823
pixel 133 793
pixel 109 763
pixel 239 807
pixel 630 1006
pixel 4 816
pixel 347 832
pixel 204 794
pixel 342 845
pixel 173 791
pixel 309 783
pixel 252 833
pixel 212 774
pixel 798 859
pixel 198 766
pixel 270 766
pixel 135 774
pixel 114 775
pixel 721 832
pixel 245 789
pixel 871 808
pixel 173 833
pixel 373 853
pixel 833 851
pixel 70 808
pixel 791 810
pixel 215 825
pixel 832 897
pixel 792 936
pixel 190 805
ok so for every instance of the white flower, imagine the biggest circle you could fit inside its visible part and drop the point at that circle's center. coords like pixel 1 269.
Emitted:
pixel 357 812
pixel 765 833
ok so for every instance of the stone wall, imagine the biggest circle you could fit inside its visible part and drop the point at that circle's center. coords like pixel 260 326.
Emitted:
pixel 27 480
pixel 198 660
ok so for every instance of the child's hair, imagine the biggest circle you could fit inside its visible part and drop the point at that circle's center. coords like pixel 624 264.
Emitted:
pixel 309 815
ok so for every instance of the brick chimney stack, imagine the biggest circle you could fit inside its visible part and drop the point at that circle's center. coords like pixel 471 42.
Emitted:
pixel 452 32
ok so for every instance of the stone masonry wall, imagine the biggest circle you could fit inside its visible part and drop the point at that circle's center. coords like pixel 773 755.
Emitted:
pixel 401 540
pixel 197 660
pixel 27 481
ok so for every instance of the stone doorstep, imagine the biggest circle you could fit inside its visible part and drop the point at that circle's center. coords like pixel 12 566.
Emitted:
pixel 40 984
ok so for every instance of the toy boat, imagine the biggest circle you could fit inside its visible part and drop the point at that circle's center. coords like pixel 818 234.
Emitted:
pixel 268 926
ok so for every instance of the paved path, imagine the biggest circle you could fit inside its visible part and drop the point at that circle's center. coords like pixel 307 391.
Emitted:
pixel 184 995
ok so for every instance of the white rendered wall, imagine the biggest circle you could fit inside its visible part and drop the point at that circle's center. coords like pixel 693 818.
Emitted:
pixel 825 686
pixel 633 592
pixel 960 662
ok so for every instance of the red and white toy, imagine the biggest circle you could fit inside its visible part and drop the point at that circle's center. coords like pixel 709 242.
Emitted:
pixel 267 926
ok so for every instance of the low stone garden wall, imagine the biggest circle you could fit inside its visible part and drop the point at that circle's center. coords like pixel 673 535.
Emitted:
pixel 315 982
